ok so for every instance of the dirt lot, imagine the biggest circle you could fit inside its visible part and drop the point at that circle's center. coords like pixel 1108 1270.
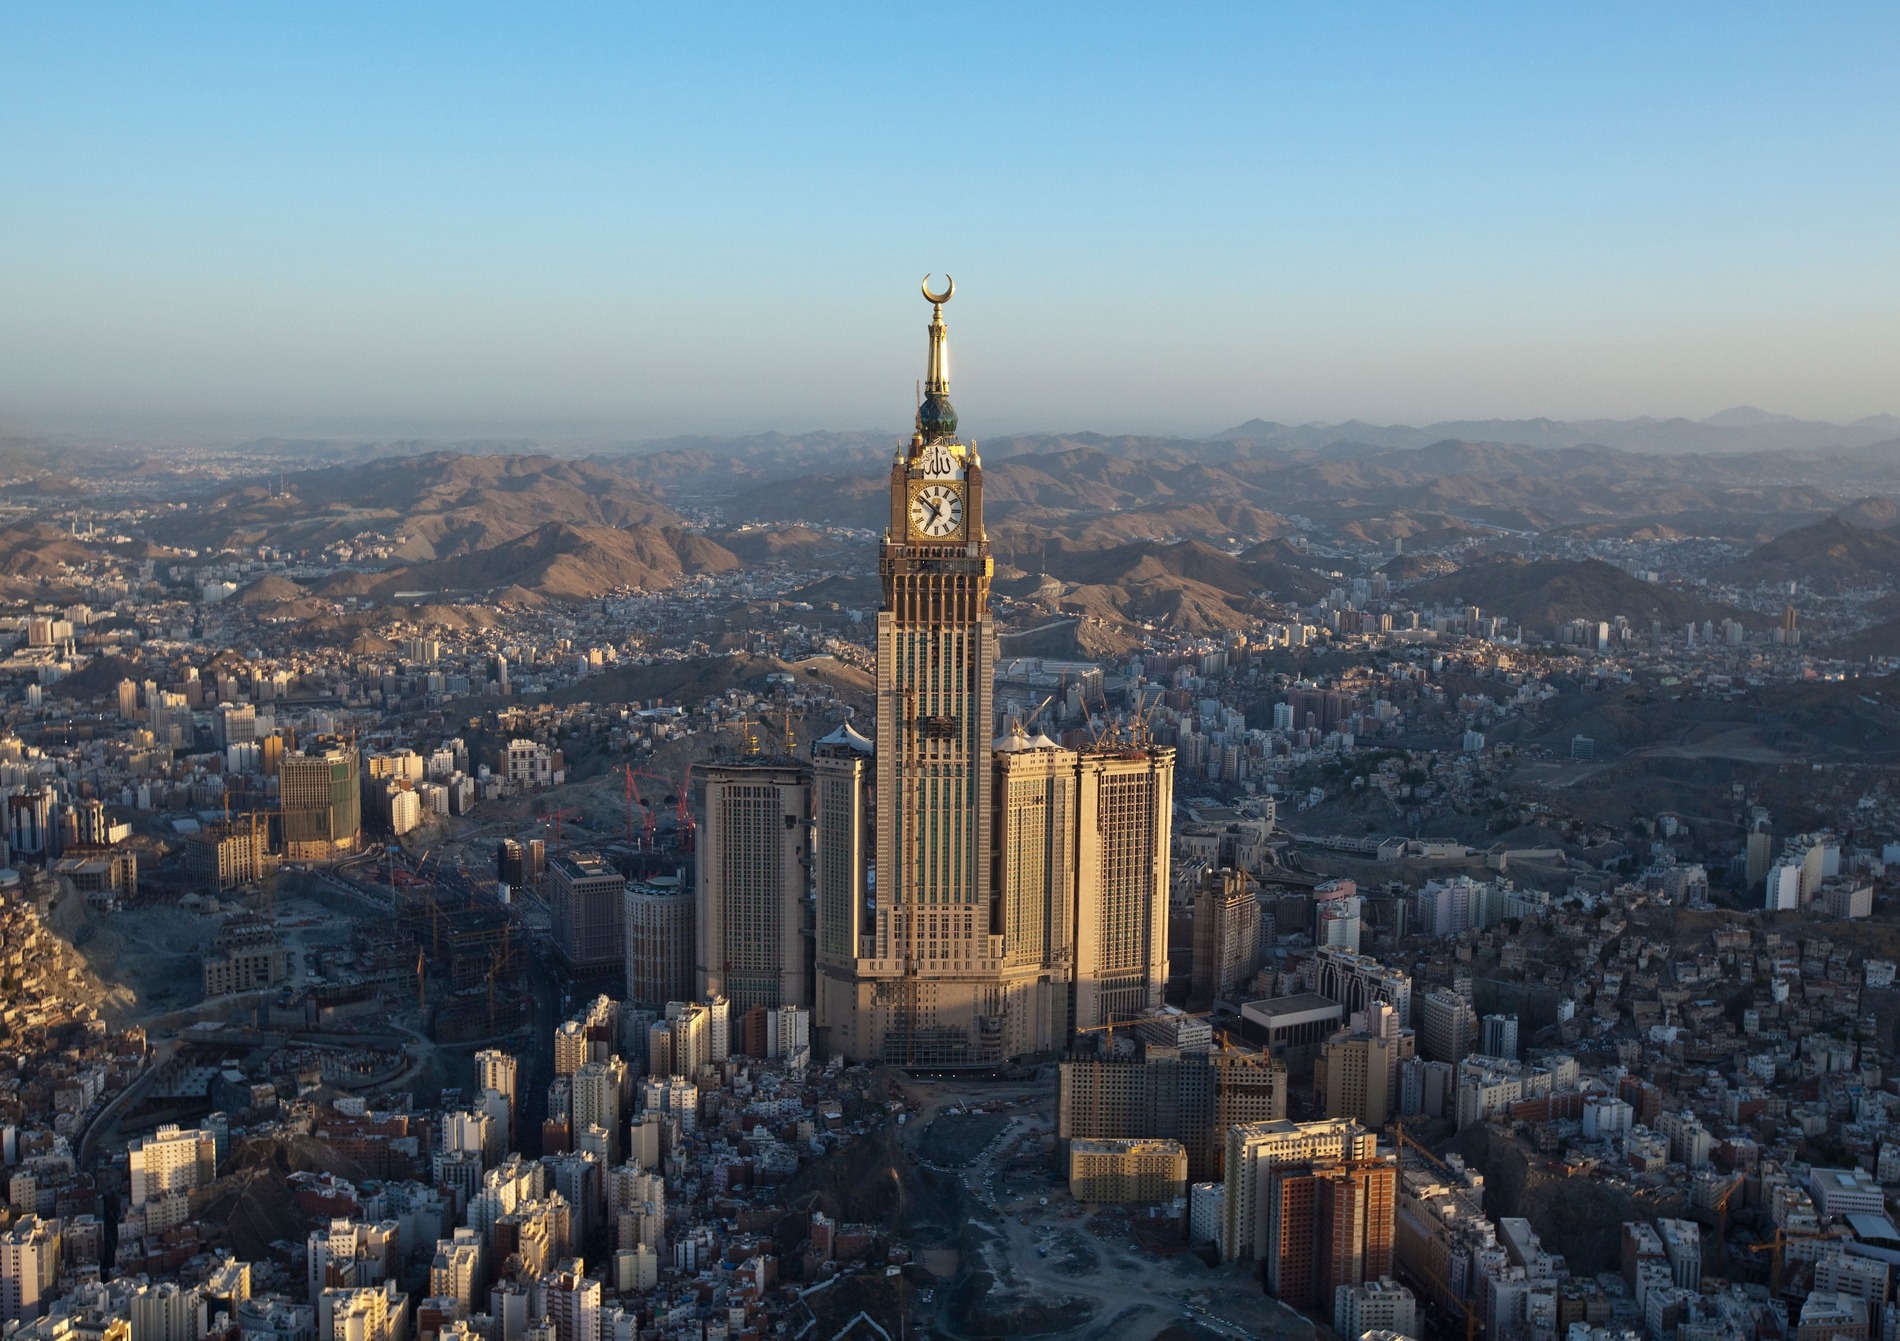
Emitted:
pixel 150 955
pixel 1026 1260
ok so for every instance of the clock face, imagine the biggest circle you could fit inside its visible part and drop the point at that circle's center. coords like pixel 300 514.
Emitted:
pixel 936 510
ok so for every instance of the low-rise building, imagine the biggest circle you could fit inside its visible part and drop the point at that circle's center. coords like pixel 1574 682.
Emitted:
pixel 1144 1170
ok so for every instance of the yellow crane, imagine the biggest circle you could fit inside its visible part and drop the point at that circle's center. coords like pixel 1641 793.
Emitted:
pixel 1774 1247
pixel 496 964
pixel 1404 1139
pixel 1720 1207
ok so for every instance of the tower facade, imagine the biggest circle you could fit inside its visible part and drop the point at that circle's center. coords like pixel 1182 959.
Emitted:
pixel 587 898
pixel 930 991
pixel 844 841
pixel 1226 936
pixel 660 941
pixel 1123 826
pixel 320 801
pixel 1034 790
pixel 754 825
pixel 977 897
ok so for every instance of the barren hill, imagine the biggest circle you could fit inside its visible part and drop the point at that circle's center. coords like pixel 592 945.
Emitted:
pixel 1186 585
pixel 698 677
pixel 793 544
pixel 443 503
pixel 1830 552
pixel 558 561
pixel 39 549
pixel 1550 592
pixel 1882 640
pixel 270 590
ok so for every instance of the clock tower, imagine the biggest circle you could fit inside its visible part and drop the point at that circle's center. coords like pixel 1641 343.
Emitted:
pixel 978 896
pixel 929 988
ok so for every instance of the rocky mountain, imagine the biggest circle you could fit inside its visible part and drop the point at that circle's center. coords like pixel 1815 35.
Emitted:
pixel 793 544
pixel 557 560
pixel 1163 488
pixel 1549 592
pixel 441 503
pixel 1737 430
pixel 40 561
pixel 1832 552
pixel 1186 585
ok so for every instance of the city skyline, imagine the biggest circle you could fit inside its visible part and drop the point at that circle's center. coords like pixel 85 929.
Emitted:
pixel 1162 221
pixel 503 841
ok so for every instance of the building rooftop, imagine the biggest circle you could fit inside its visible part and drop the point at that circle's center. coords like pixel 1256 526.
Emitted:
pixel 1303 1008
pixel 583 865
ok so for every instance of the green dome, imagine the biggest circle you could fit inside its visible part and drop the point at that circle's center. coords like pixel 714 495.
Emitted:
pixel 938 417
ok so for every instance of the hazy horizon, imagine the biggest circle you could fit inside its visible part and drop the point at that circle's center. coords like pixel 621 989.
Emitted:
pixel 237 428
pixel 1159 220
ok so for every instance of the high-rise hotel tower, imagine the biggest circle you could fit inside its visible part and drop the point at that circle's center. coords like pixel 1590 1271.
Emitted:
pixel 977 896
pixel 930 991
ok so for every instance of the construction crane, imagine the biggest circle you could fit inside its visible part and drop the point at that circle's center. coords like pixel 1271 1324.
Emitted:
pixel 1448 1297
pixel 1023 724
pixel 1144 723
pixel 1130 1020
pixel 685 820
pixel 1775 1248
pixel 1405 1140
pixel 554 818
pixel 1259 1059
pixel 1426 1275
pixel 496 965
pixel 1720 1207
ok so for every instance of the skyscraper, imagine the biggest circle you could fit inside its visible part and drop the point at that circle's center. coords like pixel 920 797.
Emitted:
pixel 930 986
pixel 587 902
pixel 1123 828
pixel 1445 1021
pixel 844 772
pixel 754 824
pixel 1330 1223
pixel 29 1268
pixel 496 1070
pixel 1357 1075
pixel 1499 1034
pixel 1034 790
pixel 170 1161
pixel 1254 1150
pixel 660 941
pixel 996 892
pixel 1226 936
pixel 321 805
pixel 1355 980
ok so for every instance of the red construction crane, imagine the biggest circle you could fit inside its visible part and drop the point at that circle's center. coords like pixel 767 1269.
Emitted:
pixel 553 820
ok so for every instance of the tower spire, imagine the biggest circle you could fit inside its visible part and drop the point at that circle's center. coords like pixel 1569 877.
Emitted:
pixel 936 418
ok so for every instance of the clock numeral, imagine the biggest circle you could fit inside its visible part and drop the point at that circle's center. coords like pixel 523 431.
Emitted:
pixel 936 510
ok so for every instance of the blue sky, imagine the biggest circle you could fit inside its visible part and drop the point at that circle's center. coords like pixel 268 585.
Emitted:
pixel 686 218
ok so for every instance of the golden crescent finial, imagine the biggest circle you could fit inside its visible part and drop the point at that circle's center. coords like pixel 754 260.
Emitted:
pixel 950 288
